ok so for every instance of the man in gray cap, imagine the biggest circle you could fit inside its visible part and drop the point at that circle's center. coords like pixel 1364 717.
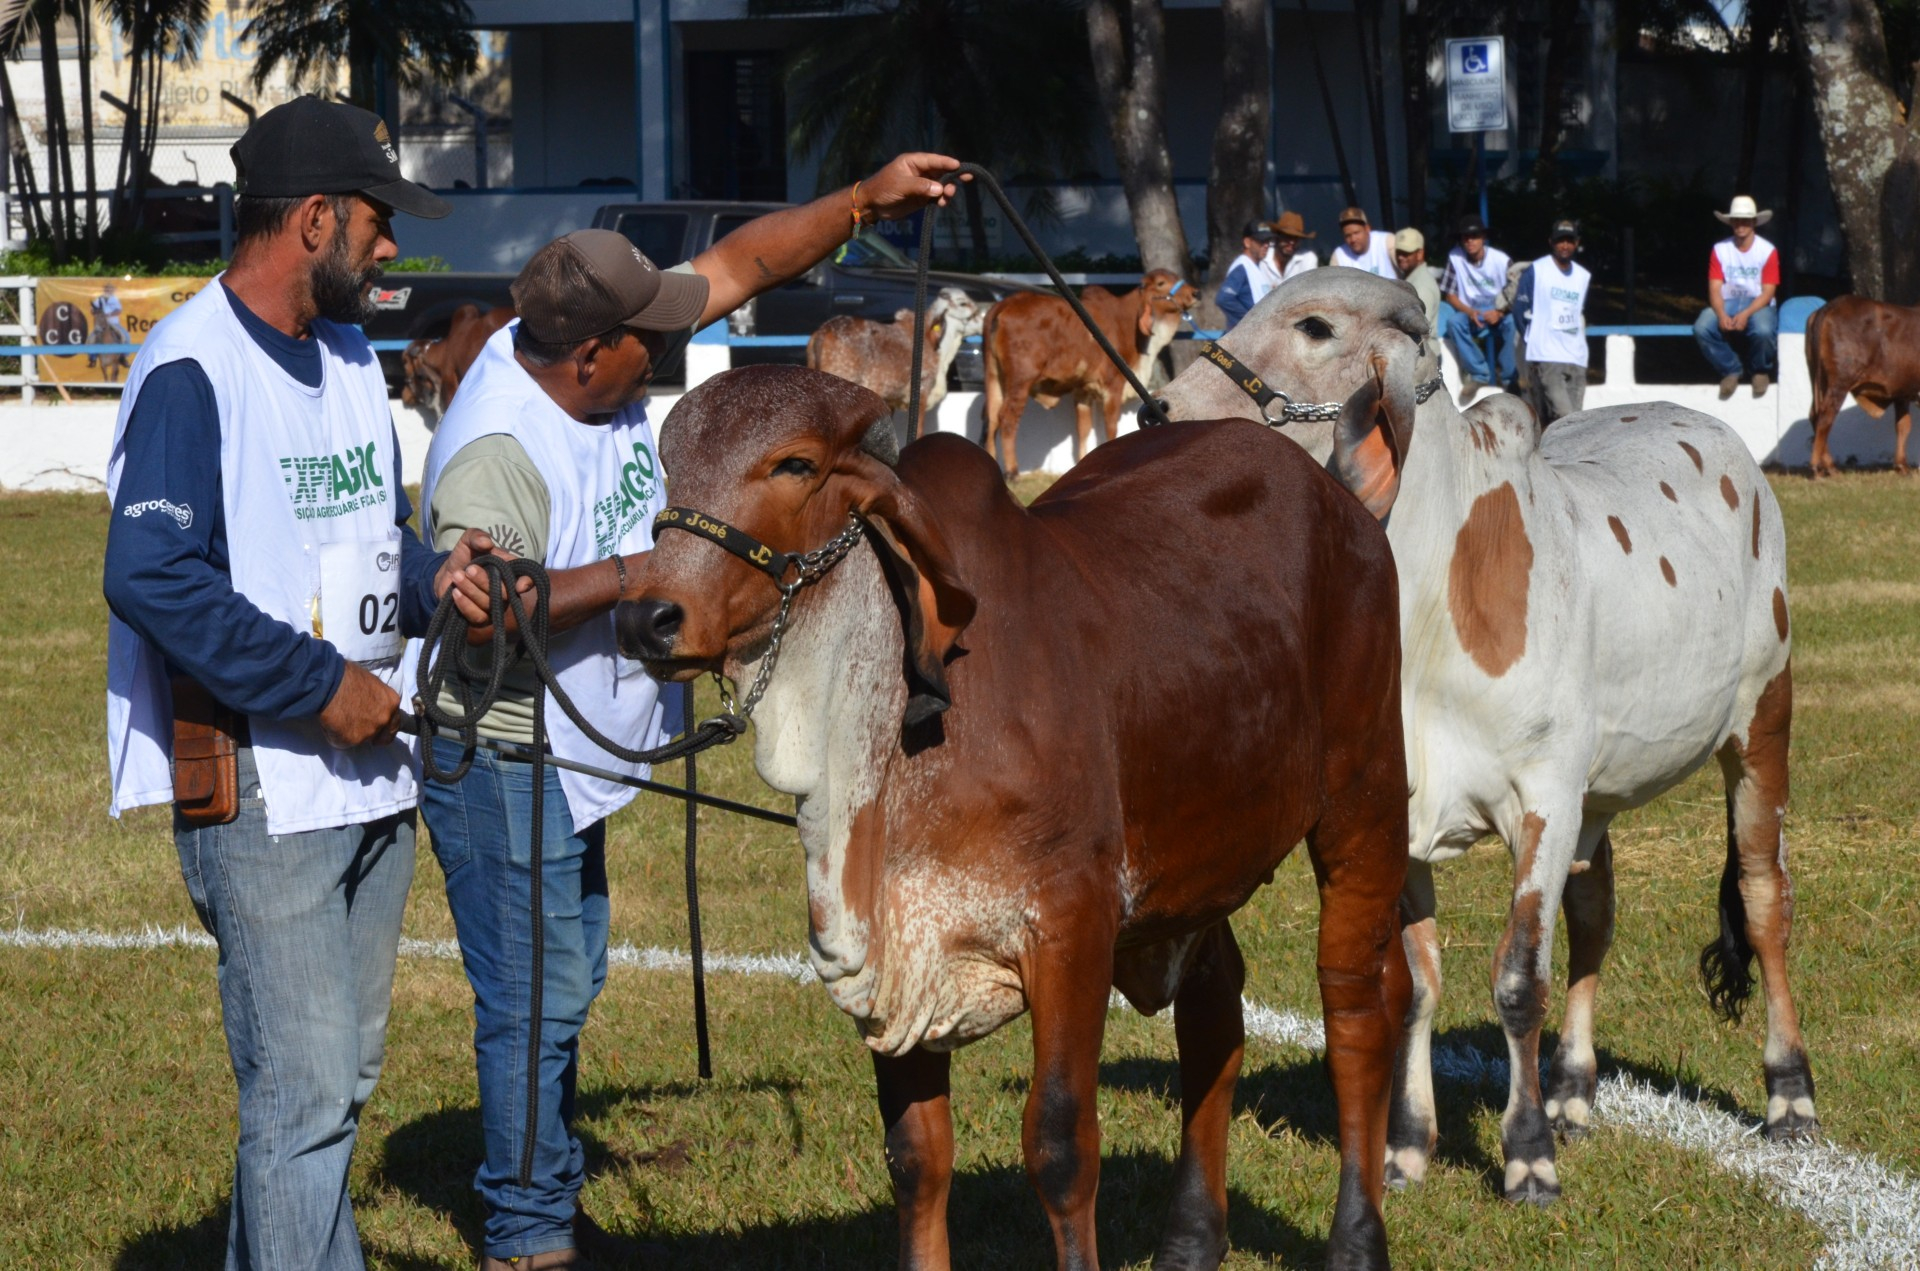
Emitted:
pixel 1548 301
pixel 548 449
pixel 262 577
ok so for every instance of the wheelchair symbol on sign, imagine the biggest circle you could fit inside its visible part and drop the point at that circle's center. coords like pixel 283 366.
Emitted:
pixel 1473 60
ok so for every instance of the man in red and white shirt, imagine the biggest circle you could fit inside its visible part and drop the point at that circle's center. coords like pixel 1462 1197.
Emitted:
pixel 1742 276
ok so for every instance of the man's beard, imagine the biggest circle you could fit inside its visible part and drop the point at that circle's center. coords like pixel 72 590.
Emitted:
pixel 341 293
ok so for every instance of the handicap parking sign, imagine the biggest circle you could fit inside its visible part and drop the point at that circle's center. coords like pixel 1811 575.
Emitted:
pixel 1477 84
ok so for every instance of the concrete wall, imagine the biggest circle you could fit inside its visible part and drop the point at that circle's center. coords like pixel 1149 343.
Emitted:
pixel 55 446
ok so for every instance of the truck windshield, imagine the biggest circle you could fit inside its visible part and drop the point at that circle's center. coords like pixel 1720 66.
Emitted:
pixel 867 250
pixel 661 235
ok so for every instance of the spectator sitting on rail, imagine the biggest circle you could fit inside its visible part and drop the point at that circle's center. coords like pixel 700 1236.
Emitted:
pixel 1548 301
pixel 1289 259
pixel 1410 258
pixel 1247 278
pixel 1742 276
pixel 1364 247
pixel 1475 278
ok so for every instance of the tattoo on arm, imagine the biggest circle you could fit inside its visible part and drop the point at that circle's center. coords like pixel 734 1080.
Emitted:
pixel 765 272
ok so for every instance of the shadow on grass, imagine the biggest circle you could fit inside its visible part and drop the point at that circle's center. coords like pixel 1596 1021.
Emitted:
pixel 994 1218
pixel 190 1247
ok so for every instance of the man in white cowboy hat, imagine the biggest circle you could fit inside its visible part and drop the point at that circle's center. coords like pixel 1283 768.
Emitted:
pixel 1742 276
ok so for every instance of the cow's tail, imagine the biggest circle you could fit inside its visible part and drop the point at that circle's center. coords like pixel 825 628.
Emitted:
pixel 813 351
pixel 1814 361
pixel 1727 961
pixel 995 391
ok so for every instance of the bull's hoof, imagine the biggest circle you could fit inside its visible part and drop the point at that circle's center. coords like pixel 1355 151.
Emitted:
pixel 1182 1253
pixel 1569 1101
pixel 1793 1125
pixel 1406 1167
pixel 1532 1183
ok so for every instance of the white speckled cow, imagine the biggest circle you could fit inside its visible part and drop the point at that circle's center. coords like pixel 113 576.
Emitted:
pixel 1587 616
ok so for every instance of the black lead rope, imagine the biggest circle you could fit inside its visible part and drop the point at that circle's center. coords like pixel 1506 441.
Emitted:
pixel 1151 411
pixel 447 638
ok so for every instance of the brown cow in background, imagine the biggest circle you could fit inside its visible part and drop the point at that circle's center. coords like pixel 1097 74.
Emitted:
pixel 878 356
pixel 1869 349
pixel 1036 346
pixel 431 370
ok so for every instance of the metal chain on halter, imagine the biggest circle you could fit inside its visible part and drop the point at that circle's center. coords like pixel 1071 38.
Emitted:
pixel 812 566
pixel 1326 412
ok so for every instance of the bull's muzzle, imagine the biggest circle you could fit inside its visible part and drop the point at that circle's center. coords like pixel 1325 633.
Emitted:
pixel 646 629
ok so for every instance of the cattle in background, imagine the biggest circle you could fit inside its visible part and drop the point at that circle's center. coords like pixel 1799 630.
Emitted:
pixel 431 370
pixel 878 356
pixel 1044 753
pixel 1036 346
pixel 1589 615
pixel 1869 349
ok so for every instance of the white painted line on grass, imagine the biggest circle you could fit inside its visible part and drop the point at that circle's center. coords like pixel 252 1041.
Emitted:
pixel 1869 1213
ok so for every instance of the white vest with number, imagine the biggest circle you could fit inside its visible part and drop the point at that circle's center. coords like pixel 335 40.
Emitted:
pixel 1478 285
pixel 305 477
pixel 1378 260
pixel 603 488
pixel 1557 331
pixel 1741 272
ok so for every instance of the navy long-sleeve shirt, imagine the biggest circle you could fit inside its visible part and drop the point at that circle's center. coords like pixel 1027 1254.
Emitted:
pixel 173 584
pixel 1235 296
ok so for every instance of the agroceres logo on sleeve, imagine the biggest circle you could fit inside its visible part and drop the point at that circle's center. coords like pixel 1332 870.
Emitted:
pixel 180 512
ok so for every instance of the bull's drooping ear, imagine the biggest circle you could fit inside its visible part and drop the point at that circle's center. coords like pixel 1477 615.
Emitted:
pixel 936 604
pixel 1370 441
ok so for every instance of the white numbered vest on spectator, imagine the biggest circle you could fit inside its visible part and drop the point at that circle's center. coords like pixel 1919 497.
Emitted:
pixel 604 486
pixel 1479 285
pixel 1741 272
pixel 1558 331
pixel 304 480
pixel 1378 259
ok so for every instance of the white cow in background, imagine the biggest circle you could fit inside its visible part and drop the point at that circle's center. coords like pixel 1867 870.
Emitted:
pixel 1587 616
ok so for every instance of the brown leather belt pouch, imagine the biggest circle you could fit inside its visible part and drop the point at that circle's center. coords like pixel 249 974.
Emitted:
pixel 206 763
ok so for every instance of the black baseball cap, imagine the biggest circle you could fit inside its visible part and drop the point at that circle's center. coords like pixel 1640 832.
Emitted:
pixel 310 146
pixel 590 281
pixel 1564 231
pixel 1259 232
pixel 1471 227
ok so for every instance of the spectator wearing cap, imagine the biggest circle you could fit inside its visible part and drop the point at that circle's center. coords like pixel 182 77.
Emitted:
pixel 1363 247
pixel 1742 276
pixel 1247 278
pixel 549 448
pixel 1289 258
pixel 1483 333
pixel 261 578
pixel 1548 302
pixel 1410 259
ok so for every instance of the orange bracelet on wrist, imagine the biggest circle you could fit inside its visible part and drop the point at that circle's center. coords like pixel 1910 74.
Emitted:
pixel 859 218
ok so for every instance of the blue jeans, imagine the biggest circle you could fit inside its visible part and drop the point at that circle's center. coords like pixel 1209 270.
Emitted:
pixel 1762 339
pixel 482 835
pixel 308 926
pixel 1470 344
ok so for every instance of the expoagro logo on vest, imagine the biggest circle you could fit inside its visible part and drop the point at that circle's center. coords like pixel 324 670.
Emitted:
pixel 323 486
pixel 617 513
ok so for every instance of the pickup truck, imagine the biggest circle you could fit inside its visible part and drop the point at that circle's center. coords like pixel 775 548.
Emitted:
pixel 866 277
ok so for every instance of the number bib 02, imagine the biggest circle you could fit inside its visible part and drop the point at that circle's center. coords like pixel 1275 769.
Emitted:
pixel 358 611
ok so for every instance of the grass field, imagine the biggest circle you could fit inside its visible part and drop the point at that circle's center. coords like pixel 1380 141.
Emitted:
pixel 116 1103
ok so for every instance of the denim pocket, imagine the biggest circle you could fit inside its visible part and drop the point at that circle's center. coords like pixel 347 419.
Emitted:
pixel 187 842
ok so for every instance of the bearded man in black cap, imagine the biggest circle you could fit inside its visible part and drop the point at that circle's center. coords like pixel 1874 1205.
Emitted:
pixel 548 449
pixel 261 578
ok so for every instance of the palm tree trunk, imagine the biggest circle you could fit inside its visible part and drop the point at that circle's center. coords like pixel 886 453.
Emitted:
pixel 46 17
pixel 1326 100
pixel 1415 45
pixel 1236 181
pixel 1872 150
pixel 33 216
pixel 83 21
pixel 1366 29
pixel 1128 43
pixel 1561 16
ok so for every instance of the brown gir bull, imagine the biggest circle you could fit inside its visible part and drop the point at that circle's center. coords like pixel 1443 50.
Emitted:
pixel 1044 752
pixel 431 370
pixel 1869 349
pixel 1036 346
